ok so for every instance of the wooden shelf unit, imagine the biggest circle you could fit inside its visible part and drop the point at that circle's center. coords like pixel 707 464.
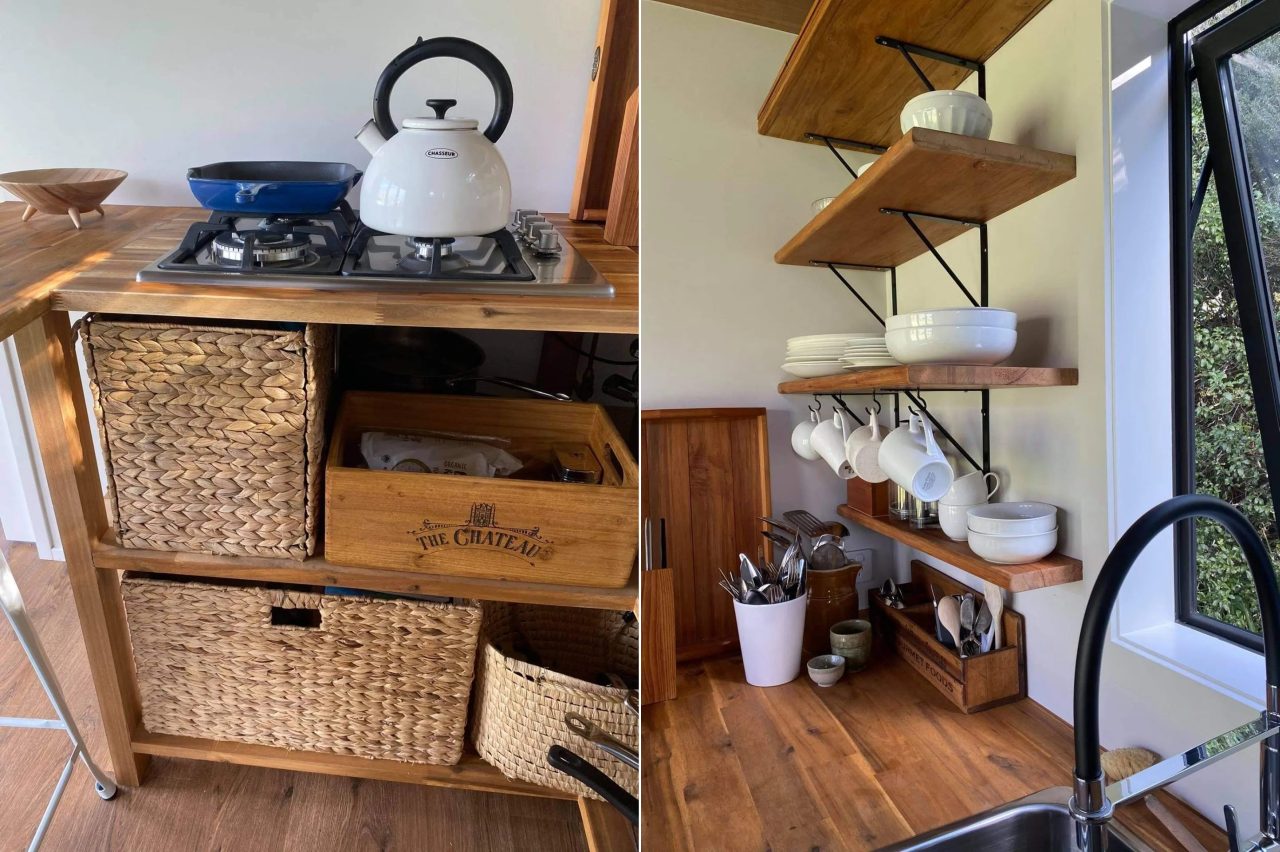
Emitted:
pixel 933 377
pixel 317 571
pixel 931 172
pixel 838 82
pixel 1054 570
pixel 472 773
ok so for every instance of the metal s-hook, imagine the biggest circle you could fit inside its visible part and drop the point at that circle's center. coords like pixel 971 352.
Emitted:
pixel 876 400
pixel 818 400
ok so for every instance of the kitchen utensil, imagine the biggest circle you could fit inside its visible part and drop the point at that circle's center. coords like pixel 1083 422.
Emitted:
pixel 601 738
pixel 770 638
pixel 891 594
pixel 982 627
pixel 862 449
pixel 967 616
pixel 807 522
pixel 1013 518
pixel 971 489
pixel 778 539
pixel 274 186
pixel 954 521
pixel 826 669
pixel 852 640
pixel 800 436
pixel 953 344
pixel 787 528
pixel 828 439
pixel 828 553
pixel 993 597
pixel 833 597
pixel 437 176
pixel 996 317
pixel 1013 549
pixel 748 571
pixel 70 191
pixel 575 767
pixel 911 457
pixel 949 618
pixel 948 110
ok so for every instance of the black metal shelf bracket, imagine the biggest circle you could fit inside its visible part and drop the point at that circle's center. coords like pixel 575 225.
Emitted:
pixel 907 49
pixel 917 399
pixel 893 283
pixel 910 217
pixel 852 144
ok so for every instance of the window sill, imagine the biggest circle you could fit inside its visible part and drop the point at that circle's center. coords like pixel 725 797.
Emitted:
pixel 1236 672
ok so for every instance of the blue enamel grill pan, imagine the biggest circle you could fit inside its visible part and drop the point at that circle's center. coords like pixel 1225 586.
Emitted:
pixel 272 187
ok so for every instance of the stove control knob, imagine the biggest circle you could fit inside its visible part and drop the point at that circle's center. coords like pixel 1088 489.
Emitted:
pixel 519 217
pixel 548 243
pixel 529 223
pixel 536 230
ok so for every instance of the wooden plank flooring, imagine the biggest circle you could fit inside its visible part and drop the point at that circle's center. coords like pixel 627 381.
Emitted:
pixel 190 805
pixel 731 767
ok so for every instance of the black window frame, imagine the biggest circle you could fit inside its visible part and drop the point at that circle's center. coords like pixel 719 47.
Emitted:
pixel 1250 285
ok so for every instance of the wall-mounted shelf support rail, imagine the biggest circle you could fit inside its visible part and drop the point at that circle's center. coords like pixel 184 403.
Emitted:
pixel 910 216
pixel 907 49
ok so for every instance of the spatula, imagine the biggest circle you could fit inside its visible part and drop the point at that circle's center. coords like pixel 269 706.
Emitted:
pixel 994 596
pixel 949 617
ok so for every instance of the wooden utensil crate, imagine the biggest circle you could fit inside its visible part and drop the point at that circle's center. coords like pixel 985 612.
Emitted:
pixel 294 668
pixel 531 529
pixel 972 684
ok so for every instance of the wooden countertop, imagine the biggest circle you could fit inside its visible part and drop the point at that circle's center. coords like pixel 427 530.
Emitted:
pixel 45 263
pixel 876 759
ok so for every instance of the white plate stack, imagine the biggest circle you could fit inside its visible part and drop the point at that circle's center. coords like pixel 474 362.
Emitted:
pixel 816 355
pixel 869 351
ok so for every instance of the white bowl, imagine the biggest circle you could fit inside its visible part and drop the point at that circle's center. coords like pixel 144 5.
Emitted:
pixel 994 317
pixel 1013 549
pixel 1009 519
pixel 862 169
pixel 968 344
pixel 948 110
pixel 953 519
pixel 821 204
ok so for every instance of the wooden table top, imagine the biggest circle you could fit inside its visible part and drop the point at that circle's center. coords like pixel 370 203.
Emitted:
pixel 45 263
pixel 876 759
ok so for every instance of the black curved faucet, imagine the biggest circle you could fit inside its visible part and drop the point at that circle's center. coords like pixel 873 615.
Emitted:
pixel 1092 805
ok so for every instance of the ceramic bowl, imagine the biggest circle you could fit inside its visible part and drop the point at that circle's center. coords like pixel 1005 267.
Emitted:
pixel 1013 549
pixel 948 110
pixel 862 169
pixel 969 344
pixel 1006 519
pixel 821 204
pixel 995 317
pixel 954 521
pixel 826 669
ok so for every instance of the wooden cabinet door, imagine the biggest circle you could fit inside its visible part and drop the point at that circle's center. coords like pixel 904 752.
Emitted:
pixel 705 485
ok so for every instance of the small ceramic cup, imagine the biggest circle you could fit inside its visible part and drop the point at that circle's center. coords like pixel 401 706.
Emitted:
pixel 828 438
pixel 972 489
pixel 852 640
pixel 863 450
pixel 800 437
pixel 826 669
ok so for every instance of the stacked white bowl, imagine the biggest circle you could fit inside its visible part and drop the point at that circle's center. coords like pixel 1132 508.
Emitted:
pixel 949 110
pixel 1013 533
pixel 952 336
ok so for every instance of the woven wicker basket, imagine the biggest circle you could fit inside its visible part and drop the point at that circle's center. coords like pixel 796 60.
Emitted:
pixel 213 436
pixel 380 678
pixel 520 706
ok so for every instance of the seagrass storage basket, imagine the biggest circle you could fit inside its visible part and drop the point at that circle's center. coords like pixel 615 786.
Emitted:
pixel 213 436
pixel 538 663
pixel 355 675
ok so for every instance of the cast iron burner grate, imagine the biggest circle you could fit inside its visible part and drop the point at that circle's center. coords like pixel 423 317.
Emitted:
pixel 314 244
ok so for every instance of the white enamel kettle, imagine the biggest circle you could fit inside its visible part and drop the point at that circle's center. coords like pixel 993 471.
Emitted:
pixel 437 176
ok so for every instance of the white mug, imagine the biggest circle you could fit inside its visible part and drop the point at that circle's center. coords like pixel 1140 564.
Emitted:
pixel 828 439
pixel 911 457
pixel 971 489
pixel 863 450
pixel 800 437
pixel 954 520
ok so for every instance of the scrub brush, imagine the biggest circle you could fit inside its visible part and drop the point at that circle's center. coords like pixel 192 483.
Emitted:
pixel 1120 763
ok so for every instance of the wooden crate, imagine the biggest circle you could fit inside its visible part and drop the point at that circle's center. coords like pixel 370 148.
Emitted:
pixel 502 528
pixel 972 684
pixel 868 498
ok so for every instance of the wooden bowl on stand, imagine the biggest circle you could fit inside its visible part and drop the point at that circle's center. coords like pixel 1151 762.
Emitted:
pixel 70 191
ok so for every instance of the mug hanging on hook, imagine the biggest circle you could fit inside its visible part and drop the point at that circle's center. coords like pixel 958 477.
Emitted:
pixel 800 436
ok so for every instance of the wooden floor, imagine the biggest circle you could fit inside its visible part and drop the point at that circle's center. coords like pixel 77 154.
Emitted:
pixel 188 805
pixel 875 759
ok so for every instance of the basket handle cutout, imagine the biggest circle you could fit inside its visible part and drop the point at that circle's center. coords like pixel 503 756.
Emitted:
pixel 282 616
pixel 612 458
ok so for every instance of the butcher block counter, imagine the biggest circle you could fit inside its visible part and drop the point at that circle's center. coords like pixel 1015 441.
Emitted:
pixel 48 268
pixel 46 264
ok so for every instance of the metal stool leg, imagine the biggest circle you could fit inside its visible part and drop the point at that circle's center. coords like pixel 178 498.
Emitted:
pixel 16 614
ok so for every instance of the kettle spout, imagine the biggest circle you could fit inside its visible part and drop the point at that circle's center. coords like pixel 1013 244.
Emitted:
pixel 370 137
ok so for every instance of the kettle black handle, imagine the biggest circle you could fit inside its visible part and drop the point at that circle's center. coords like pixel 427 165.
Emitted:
pixel 457 48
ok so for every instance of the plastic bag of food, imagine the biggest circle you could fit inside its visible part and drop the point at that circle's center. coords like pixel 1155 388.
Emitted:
pixel 436 453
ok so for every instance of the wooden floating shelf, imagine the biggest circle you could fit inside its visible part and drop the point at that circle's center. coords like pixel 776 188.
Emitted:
pixel 472 773
pixel 934 377
pixel 838 82
pixel 316 571
pixel 926 171
pixel 1054 570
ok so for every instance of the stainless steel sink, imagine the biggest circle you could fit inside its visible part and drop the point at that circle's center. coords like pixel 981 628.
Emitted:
pixel 1041 822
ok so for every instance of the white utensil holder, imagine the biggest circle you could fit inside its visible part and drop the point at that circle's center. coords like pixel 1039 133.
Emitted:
pixel 770 636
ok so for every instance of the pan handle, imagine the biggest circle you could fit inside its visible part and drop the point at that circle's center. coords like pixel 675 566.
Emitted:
pixel 559 757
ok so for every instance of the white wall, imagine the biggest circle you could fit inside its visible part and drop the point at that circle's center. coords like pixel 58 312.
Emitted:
pixel 718 200
pixel 155 87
